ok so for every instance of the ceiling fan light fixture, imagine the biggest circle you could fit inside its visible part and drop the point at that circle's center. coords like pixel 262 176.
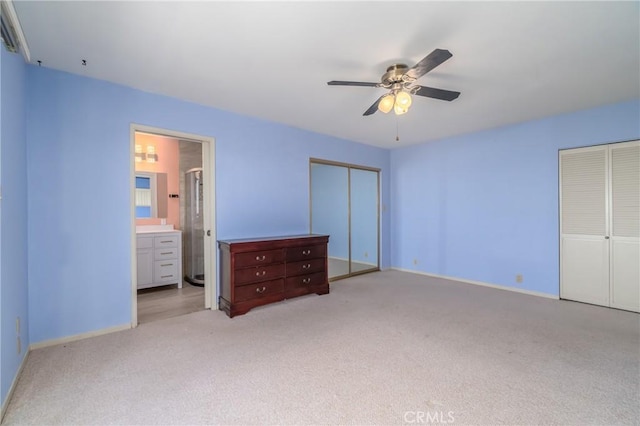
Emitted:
pixel 386 103
pixel 403 102
pixel 403 99
pixel 399 109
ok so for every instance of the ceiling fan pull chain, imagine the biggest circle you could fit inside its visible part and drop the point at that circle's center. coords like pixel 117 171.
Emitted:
pixel 397 137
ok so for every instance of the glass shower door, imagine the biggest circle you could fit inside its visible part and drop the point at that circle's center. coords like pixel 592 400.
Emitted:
pixel 193 232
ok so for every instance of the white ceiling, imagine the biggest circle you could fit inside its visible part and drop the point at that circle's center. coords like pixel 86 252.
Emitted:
pixel 512 61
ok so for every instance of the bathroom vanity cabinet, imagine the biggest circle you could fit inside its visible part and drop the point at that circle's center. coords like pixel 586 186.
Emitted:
pixel 159 258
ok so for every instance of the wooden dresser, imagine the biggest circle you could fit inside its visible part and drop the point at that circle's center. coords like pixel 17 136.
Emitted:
pixel 255 272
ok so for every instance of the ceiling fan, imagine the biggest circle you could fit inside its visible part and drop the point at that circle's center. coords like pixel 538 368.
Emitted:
pixel 400 79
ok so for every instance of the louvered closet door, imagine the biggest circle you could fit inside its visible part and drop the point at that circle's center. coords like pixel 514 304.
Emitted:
pixel 625 225
pixel 584 251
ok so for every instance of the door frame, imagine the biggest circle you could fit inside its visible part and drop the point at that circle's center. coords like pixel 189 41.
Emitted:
pixel 210 249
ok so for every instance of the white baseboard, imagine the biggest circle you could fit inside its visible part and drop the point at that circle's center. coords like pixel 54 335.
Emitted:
pixel 5 403
pixel 80 336
pixel 483 284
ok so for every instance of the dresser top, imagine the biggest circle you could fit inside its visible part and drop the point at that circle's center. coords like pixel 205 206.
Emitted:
pixel 265 239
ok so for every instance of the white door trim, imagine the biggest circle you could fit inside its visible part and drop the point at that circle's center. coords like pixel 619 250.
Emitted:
pixel 210 249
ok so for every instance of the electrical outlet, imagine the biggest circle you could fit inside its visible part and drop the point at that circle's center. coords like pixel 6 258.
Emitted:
pixel 415 261
pixel 519 278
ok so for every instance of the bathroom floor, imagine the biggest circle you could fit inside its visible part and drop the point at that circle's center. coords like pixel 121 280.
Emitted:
pixel 169 301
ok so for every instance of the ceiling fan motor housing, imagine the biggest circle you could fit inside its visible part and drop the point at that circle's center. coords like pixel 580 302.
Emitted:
pixel 394 74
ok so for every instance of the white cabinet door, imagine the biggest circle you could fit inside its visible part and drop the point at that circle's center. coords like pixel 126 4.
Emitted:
pixel 584 267
pixel 145 267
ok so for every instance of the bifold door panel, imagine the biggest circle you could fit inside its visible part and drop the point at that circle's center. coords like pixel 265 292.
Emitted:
pixel 600 225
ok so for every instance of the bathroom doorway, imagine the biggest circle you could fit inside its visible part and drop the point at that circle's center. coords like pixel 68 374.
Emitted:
pixel 173 237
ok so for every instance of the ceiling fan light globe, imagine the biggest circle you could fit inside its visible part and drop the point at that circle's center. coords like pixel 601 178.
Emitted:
pixel 403 99
pixel 386 103
pixel 399 109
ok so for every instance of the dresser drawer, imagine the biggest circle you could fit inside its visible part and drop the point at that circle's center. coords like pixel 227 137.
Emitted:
pixel 260 273
pixel 166 241
pixel 304 281
pixel 165 271
pixel 257 258
pixel 258 290
pixel 166 253
pixel 305 267
pixel 309 252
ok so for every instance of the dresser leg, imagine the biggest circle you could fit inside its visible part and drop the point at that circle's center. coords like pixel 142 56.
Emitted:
pixel 323 290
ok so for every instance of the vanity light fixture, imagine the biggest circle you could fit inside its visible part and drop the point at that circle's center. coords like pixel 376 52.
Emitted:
pixel 152 157
pixel 140 156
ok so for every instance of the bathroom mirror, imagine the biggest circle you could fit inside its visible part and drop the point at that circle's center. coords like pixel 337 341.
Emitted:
pixel 151 195
pixel 345 205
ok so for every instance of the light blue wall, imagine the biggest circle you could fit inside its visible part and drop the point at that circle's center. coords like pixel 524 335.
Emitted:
pixel 484 206
pixel 78 153
pixel 480 207
pixel 13 217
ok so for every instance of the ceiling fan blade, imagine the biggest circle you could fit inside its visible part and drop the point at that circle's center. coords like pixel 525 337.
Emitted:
pixel 431 61
pixel 373 108
pixel 430 92
pixel 351 83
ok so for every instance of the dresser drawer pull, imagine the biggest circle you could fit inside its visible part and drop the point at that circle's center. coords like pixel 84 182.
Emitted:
pixel 166 276
pixel 261 258
pixel 166 264
pixel 261 290
pixel 306 280
pixel 306 252
pixel 261 273
pixel 307 266
pixel 166 241
pixel 166 252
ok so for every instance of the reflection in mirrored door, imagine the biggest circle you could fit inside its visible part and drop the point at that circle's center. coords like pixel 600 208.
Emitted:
pixel 345 205
pixel 330 213
pixel 364 219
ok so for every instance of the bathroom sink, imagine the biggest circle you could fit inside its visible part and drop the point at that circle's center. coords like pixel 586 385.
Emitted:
pixel 153 228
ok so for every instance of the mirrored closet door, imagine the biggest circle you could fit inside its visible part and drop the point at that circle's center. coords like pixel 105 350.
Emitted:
pixel 345 205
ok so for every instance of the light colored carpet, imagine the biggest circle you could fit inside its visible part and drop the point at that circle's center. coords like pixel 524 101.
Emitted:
pixel 383 348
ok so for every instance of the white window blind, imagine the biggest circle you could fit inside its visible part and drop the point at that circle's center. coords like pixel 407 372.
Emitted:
pixel 143 197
